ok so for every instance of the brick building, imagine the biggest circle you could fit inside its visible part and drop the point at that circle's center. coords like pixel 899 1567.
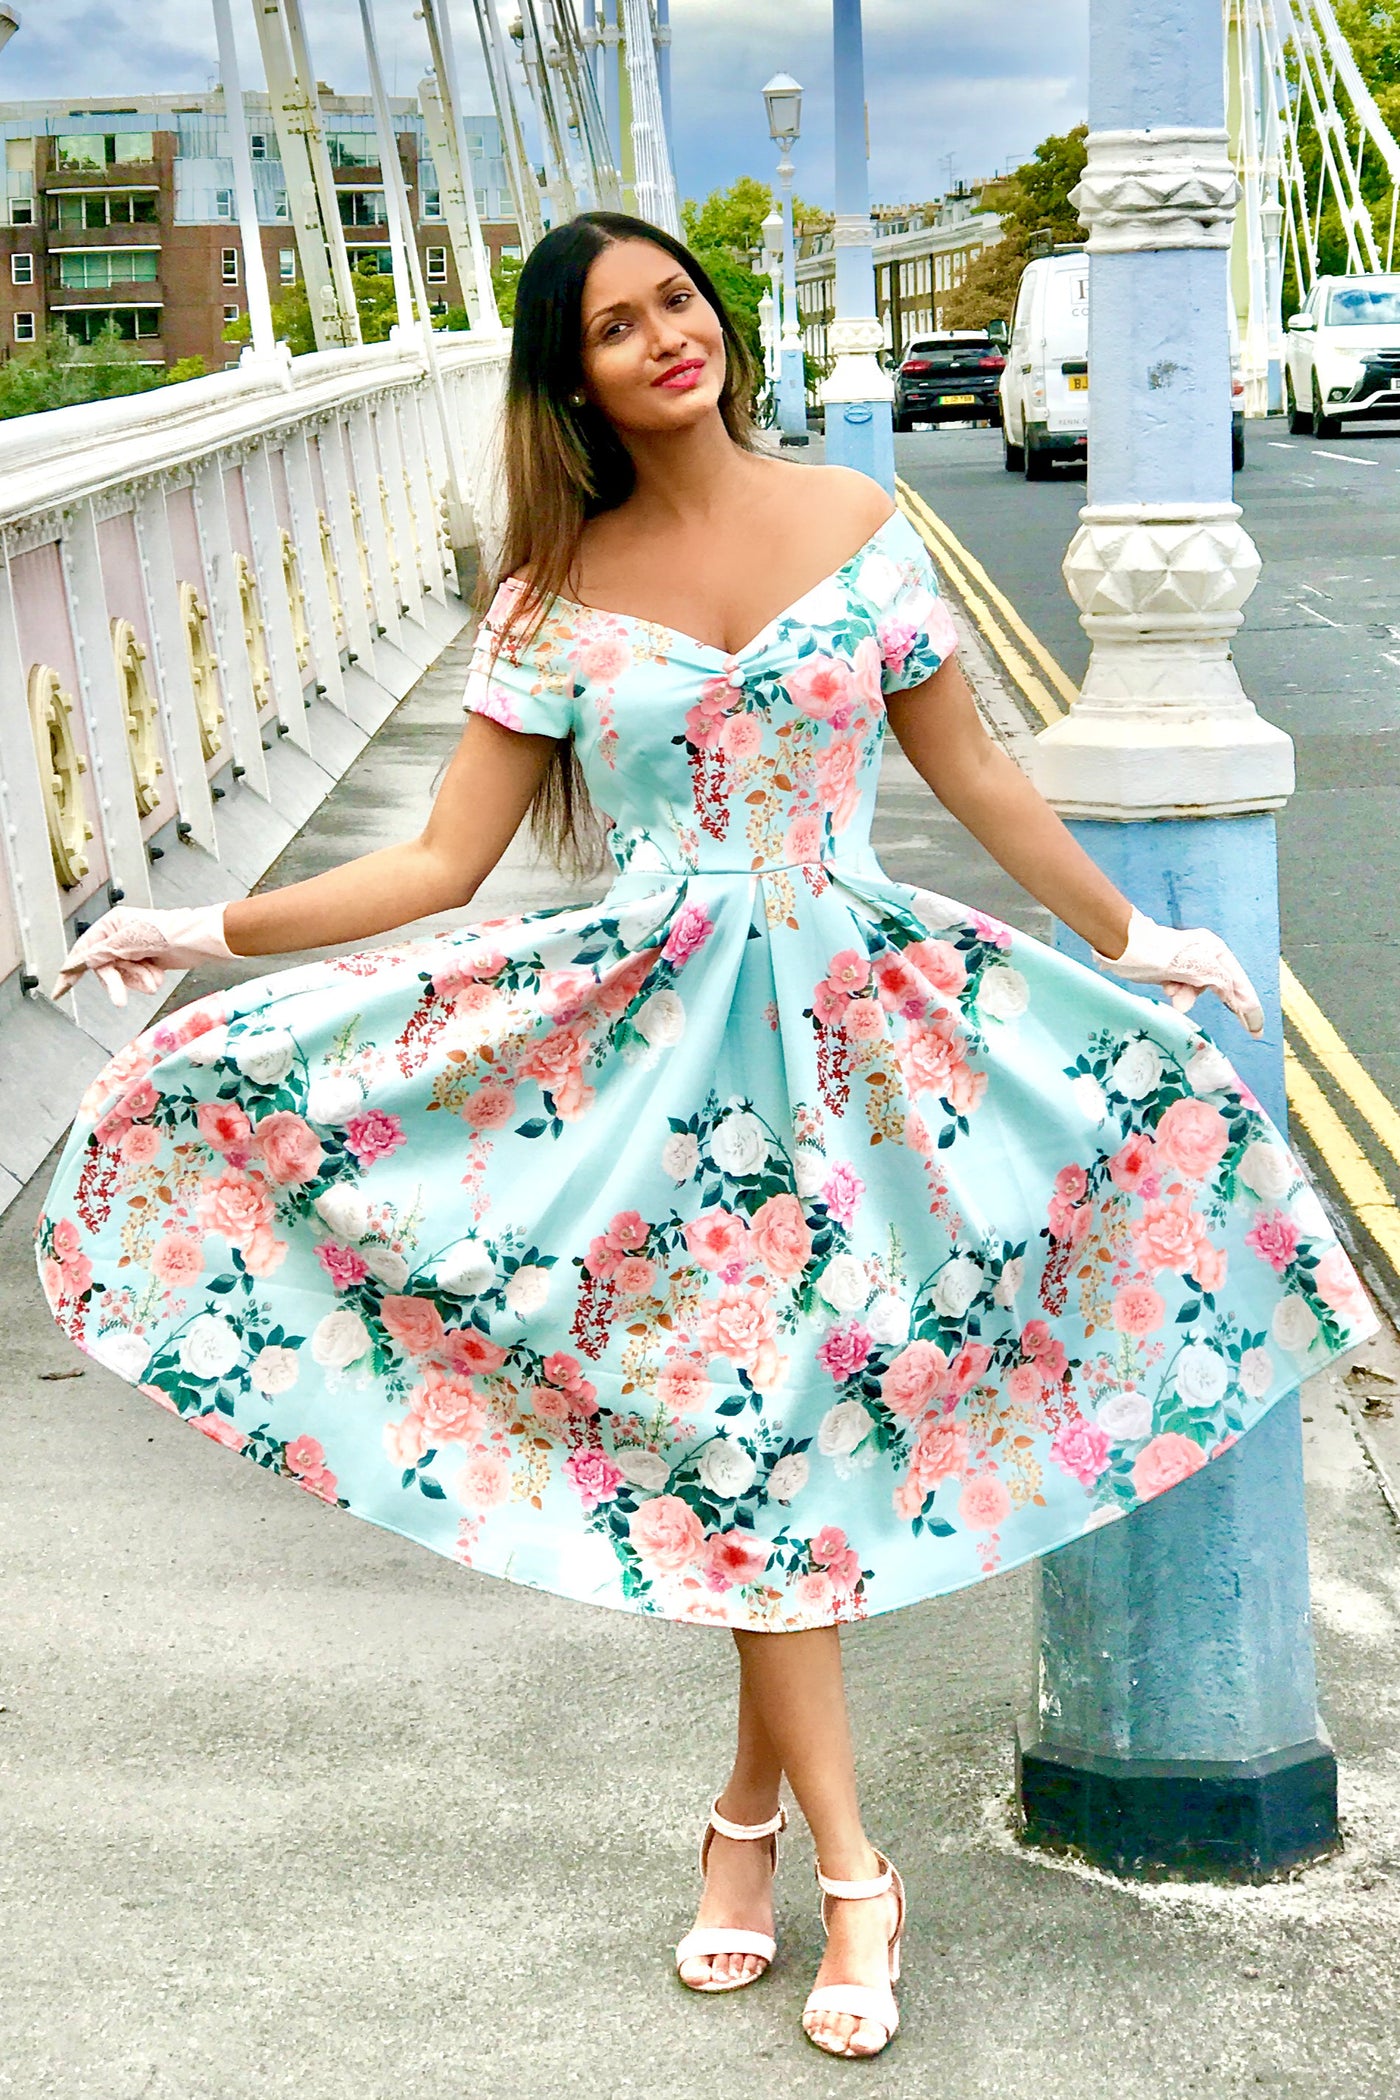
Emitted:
pixel 123 211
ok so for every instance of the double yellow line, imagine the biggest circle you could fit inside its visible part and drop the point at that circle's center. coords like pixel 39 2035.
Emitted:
pixel 1048 692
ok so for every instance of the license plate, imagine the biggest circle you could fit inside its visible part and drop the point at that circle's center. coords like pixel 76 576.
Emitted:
pixel 957 400
pixel 1079 382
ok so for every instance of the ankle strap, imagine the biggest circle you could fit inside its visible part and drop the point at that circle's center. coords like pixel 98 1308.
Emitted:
pixel 742 1831
pixel 854 1891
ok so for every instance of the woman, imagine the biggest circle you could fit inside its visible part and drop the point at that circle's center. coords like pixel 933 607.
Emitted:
pixel 766 1246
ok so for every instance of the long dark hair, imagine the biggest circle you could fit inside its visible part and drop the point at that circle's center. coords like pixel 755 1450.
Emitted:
pixel 565 463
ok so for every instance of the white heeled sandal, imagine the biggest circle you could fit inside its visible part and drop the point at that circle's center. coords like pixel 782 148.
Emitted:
pixel 731 1939
pixel 860 2001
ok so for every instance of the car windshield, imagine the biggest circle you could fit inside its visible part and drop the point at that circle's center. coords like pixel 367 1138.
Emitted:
pixel 950 353
pixel 1365 306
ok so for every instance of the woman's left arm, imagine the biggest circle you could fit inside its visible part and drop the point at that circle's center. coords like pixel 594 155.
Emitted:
pixel 941 733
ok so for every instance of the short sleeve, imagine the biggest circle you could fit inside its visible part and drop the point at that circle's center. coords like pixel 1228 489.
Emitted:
pixel 523 686
pixel 913 624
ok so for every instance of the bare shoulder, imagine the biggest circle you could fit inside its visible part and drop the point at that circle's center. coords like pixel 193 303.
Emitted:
pixel 860 504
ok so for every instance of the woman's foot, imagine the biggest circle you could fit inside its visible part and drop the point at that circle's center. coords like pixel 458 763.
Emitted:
pixel 738 1893
pixel 857 1951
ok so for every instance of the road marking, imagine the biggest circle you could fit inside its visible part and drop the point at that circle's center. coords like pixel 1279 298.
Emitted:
pixel 1278 445
pixel 1062 682
pixel 1313 613
pixel 1341 1152
pixel 1307 1019
pixel 1367 1196
pixel 1348 459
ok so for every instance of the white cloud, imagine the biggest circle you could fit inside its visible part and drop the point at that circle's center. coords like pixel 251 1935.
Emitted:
pixel 943 77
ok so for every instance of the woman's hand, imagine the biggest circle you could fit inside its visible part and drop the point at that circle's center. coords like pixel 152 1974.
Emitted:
pixel 130 950
pixel 1186 961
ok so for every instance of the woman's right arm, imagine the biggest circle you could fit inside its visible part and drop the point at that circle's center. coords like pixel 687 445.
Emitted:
pixel 487 789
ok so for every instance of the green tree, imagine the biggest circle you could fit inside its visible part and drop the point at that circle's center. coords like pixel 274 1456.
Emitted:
pixel 1033 201
pixel 375 301
pixel 723 232
pixel 60 372
pixel 1372 28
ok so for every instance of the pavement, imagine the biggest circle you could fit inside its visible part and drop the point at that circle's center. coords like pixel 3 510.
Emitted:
pixel 292 1806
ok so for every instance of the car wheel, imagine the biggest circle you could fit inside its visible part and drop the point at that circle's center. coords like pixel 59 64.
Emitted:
pixel 1324 426
pixel 1299 421
pixel 1039 465
pixel 1013 456
pixel 1237 454
pixel 902 423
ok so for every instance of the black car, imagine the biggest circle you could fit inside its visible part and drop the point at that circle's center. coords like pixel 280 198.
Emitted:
pixel 951 377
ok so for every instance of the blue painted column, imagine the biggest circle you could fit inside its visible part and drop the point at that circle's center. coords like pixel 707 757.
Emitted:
pixel 858 395
pixel 792 374
pixel 1176 1726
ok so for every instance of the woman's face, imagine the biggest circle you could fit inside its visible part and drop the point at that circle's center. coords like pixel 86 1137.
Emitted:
pixel 653 348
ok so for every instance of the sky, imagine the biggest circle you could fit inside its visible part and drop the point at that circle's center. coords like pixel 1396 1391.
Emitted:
pixel 953 87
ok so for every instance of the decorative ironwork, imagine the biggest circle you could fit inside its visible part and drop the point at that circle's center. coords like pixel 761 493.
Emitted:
pixel 332 578
pixel 254 632
pixel 296 600
pixel 141 716
pixel 204 675
pixel 61 767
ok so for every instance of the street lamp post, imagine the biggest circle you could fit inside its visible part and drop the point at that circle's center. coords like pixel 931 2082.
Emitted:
pixel 770 305
pixel 1176 1726
pixel 783 100
pixel 859 394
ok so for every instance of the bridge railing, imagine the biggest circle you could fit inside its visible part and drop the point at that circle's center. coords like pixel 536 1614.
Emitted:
pixel 211 595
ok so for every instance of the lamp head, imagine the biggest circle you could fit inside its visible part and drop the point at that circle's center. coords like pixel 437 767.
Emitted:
pixel 773 233
pixel 9 21
pixel 783 100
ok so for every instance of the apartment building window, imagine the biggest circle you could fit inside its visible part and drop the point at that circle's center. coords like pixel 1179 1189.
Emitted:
pixel 88 213
pixel 363 208
pixel 21 211
pixel 231 313
pixel 86 269
pixel 372 262
pixel 24 328
pixel 223 204
pixel 432 204
pixel 279 208
pixel 228 266
pixel 21 269
pixel 257 144
pixel 437 266
pixel 133 324
pixel 353 149
pixel 78 151
pixel 287 265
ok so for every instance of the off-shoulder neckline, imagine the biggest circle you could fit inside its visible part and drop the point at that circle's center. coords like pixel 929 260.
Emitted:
pixel 727 656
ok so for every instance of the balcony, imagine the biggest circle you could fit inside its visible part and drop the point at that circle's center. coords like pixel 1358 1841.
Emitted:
pixel 213 597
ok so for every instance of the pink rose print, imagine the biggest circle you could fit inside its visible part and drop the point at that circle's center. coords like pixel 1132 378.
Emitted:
pixel 66 1239
pixel 1024 1385
pixel 490 1107
pixel 220 1430
pixel 1166 1460
pixel 141 1144
pixel 863 1020
pixel 933 1058
pixel 468 1349
pixel 740 736
pixel 683 1385
pixel 830 1003
pixel 993 931
pixel 828 1545
pixel 343 1265
pixel 814 1593
pixel 690 929
pixel 1170 1234
pixel 716 1238
pixel 666 1534
pixel 940 963
pixel 177 1258
pixel 737 1324
pixel 494 702
pixel 779 1237
pixel 1045 1349
pixel 896 638
pixel 917 1376
pixel 899 984
pixel 374 1135
pixel 838 782
pixel 635 1275
pixel 223 1126
pixel 263 1252
pixel 1192 1137
pixel 1338 1285
pixel 732 1559
pixel 1274 1238
pixel 604 656
pixel 850 970
pixel 1081 1449
pixel 414 1323
pixel 845 1350
pixel 1211 1266
pixel 971 1361
pixel 593 1475
pixel 236 1205
pixel 1138 1309
pixel 984 1504
pixel 804 836
pixel 484 1481
pixel 290 1148
pixel 1134 1165
pixel 448 1407
pixel 820 686
pixel 841 1192
pixel 305 1455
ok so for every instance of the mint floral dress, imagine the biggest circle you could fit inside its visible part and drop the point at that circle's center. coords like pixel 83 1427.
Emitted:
pixel 769 1245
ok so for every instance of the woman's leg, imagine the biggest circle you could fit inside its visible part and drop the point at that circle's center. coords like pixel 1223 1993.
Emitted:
pixel 794 1685
pixel 738 1878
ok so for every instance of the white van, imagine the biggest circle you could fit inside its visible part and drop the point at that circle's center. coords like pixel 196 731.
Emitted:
pixel 1045 387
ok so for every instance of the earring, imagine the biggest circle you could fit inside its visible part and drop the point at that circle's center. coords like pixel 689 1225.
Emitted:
pixel 576 400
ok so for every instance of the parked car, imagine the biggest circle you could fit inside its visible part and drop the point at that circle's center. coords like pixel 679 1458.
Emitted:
pixel 1343 362
pixel 948 377
pixel 1045 385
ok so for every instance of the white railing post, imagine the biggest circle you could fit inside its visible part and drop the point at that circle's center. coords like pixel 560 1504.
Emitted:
pixel 127 867
pixel 170 662
pixel 265 532
pixel 226 622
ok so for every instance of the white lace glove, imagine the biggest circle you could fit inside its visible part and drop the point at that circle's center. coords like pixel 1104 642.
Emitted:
pixel 131 950
pixel 1185 961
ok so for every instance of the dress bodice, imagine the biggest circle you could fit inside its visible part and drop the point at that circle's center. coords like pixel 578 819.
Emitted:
pixel 715 763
